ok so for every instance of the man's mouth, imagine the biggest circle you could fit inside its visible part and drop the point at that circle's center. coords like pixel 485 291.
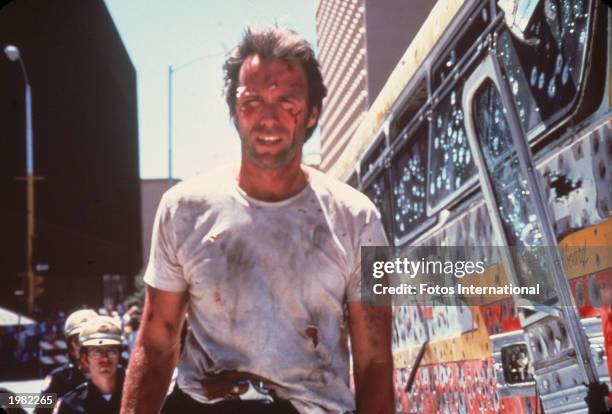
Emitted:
pixel 269 139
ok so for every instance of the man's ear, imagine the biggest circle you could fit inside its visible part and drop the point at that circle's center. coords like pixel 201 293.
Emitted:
pixel 84 360
pixel 312 117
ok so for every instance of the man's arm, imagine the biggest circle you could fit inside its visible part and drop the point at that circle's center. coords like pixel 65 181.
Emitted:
pixel 370 330
pixel 155 352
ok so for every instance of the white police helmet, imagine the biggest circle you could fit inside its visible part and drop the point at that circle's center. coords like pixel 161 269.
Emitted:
pixel 100 331
pixel 76 320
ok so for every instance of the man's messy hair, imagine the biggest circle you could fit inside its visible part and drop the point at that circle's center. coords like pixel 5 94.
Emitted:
pixel 272 42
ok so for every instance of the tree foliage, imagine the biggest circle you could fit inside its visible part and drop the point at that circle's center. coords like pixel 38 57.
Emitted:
pixel 136 298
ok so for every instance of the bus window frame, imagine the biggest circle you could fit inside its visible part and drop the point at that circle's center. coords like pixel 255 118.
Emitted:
pixel 365 183
pixel 379 167
pixel 380 141
pixel 484 72
pixel 489 69
pixel 464 66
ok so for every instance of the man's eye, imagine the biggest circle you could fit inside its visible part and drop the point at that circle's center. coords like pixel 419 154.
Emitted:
pixel 287 104
pixel 251 103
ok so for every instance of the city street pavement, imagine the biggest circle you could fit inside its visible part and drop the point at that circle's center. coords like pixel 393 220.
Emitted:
pixel 29 386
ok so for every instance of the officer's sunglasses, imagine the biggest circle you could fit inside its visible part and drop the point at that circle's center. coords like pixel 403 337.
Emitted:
pixel 98 352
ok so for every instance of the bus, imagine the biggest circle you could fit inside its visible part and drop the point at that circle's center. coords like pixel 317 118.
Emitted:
pixel 495 129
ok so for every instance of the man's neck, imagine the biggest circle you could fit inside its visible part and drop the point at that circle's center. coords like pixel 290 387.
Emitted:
pixel 106 385
pixel 271 184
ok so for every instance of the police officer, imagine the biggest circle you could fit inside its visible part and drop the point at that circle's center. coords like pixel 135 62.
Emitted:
pixel 101 346
pixel 70 375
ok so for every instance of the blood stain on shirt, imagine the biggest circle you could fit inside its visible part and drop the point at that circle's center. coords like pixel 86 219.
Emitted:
pixel 313 333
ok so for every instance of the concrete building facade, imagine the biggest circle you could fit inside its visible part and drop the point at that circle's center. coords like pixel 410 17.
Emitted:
pixel 151 190
pixel 85 127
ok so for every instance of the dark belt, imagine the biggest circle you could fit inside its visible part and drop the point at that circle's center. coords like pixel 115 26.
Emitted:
pixel 233 385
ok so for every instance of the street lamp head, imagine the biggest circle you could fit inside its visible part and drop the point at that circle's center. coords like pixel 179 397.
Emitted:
pixel 12 52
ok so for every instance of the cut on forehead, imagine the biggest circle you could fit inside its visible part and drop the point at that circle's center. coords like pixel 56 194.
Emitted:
pixel 255 62
pixel 271 71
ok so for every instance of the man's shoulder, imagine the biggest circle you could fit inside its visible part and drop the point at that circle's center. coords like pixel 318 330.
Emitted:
pixel 73 401
pixel 204 187
pixel 62 377
pixel 62 370
pixel 78 394
pixel 335 191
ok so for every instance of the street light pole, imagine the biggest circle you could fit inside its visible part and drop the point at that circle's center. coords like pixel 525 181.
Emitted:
pixel 13 54
pixel 171 71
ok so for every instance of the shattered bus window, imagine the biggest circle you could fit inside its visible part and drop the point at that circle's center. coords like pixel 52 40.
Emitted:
pixel 472 29
pixel 451 161
pixel 512 194
pixel 408 171
pixel 378 192
pixel 519 219
pixel 510 186
pixel 498 146
pixel 544 59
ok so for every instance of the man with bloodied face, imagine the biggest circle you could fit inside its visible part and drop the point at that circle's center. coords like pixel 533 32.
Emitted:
pixel 272 112
pixel 264 258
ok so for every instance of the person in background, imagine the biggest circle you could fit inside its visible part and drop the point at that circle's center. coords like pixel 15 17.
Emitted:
pixel 70 375
pixel 101 345
pixel 131 323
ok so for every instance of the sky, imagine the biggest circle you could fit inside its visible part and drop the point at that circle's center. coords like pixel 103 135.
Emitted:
pixel 193 36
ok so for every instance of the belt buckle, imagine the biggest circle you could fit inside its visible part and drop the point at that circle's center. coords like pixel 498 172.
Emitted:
pixel 255 392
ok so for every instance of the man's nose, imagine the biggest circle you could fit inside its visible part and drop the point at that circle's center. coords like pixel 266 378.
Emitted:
pixel 269 115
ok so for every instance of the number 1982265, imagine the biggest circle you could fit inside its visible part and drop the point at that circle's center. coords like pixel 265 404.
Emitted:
pixel 27 400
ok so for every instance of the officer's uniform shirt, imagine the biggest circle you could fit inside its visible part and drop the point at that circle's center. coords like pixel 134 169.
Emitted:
pixel 87 399
pixel 60 381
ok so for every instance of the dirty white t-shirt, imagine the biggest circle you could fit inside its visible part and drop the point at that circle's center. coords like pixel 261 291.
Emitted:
pixel 268 282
